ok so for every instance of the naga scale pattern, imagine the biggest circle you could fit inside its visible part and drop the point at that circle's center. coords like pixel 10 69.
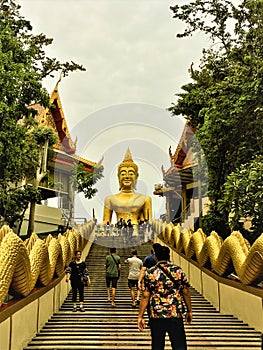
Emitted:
pixel 233 255
pixel 23 264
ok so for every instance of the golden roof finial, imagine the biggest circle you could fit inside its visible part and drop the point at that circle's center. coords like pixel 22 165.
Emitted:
pixel 99 164
pixel 60 78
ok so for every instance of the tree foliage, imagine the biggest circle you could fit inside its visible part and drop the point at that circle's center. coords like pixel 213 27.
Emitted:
pixel 243 196
pixel 45 138
pixel 224 101
pixel 83 180
pixel 23 65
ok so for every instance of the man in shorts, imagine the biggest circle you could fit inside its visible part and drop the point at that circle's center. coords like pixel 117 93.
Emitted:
pixel 113 266
pixel 135 265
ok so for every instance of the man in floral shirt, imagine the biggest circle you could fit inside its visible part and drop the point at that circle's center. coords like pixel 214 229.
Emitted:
pixel 166 287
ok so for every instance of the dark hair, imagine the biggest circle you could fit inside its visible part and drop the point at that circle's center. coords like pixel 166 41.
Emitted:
pixel 76 252
pixel 155 246
pixel 113 250
pixel 162 253
pixel 134 252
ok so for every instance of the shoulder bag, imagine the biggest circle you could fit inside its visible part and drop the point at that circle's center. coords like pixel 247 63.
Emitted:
pixel 83 278
pixel 119 272
pixel 169 275
pixel 176 283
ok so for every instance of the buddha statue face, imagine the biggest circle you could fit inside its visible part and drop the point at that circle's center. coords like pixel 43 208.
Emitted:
pixel 127 178
pixel 127 172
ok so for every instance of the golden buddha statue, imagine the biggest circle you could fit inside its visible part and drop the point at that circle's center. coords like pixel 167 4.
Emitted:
pixel 128 204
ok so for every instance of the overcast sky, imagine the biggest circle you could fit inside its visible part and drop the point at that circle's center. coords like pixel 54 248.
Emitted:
pixel 134 67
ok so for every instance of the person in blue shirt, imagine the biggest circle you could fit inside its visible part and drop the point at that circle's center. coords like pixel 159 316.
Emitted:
pixel 148 262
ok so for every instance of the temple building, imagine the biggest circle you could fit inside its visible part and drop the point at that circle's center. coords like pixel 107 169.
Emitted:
pixel 57 207
pixel 182 187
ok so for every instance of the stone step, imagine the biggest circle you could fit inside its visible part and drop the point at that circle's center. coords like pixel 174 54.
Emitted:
pixel 103 327
pixel 67 344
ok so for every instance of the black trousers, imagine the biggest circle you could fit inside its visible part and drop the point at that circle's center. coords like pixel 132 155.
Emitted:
pixel 77 286
pixel 175 329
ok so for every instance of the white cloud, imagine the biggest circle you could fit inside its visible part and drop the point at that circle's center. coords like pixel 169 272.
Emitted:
pixel 127 47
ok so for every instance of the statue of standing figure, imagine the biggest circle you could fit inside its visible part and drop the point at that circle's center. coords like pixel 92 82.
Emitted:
pixel 128 204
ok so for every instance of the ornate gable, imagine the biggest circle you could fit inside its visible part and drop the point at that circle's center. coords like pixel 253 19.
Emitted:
pixel 181 161
pixel 53 117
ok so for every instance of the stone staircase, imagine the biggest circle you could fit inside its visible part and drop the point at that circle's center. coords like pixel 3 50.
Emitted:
pixel 103 327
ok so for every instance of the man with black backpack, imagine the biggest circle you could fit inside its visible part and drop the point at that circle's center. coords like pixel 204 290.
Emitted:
pixel 166 288
pixel 113 266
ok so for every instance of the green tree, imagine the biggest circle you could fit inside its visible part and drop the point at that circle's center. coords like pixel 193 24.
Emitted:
pixel 23 65
pixel 224 101
pixel 243 197
pixel 83 180
pixel 44 139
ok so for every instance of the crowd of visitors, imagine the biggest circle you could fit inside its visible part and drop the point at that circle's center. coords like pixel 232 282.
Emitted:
pixel 127 230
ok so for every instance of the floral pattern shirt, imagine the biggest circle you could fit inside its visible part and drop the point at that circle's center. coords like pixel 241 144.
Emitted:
pixel 165 297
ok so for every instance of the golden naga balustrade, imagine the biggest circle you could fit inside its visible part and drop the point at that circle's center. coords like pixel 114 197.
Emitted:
pixel 233 255
pixel 23 264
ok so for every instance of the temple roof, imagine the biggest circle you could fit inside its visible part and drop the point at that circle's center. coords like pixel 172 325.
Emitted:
pixel 182 161
pixel 54 117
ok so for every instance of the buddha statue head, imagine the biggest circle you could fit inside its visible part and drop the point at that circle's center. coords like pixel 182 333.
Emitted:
pixel 127 172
